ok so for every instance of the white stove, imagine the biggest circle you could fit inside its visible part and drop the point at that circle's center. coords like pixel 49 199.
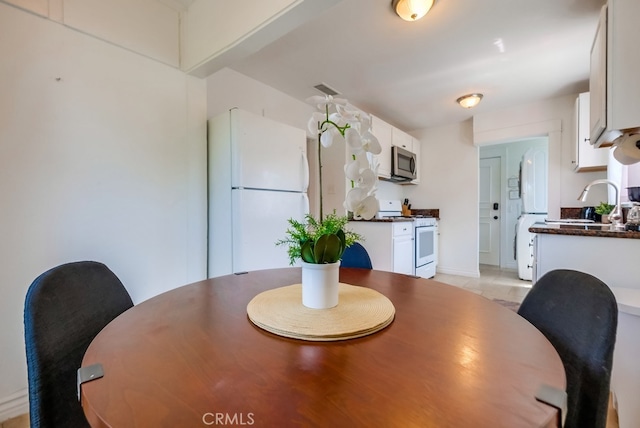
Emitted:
pixel 389 208
pixel 424 230
pixel 425 252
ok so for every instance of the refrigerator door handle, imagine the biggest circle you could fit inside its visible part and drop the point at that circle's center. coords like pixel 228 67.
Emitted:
pixel 305 204
pixel 305 174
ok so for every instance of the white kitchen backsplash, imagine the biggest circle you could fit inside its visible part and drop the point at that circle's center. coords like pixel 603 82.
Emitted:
pixel 389 190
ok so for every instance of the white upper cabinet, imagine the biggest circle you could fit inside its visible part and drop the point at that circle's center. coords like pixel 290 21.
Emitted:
pixel 401 139
pixel 586 157
pixel 382 131
pixel 388 136
pixel 615 61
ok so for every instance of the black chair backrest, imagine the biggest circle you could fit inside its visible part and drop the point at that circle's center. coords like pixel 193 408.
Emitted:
pixel 356 256
pixel 65 308
pixel 578 314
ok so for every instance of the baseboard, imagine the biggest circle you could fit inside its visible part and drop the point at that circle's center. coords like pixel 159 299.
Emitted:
pixel 14 405
pixel 448 271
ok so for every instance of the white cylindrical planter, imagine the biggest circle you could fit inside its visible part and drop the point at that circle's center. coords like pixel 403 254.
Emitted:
pixel 320 285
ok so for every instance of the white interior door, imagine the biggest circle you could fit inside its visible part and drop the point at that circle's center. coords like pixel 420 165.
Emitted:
pixel 489 211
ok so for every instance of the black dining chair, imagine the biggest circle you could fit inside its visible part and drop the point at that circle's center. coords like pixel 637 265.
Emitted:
pixel 356 256
pixel 65 308
pixel 578 314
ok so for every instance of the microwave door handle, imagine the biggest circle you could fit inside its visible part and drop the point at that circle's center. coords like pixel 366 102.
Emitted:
pixel 412 165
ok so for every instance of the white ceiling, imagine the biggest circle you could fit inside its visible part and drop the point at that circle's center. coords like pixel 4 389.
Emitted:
pixel 410 73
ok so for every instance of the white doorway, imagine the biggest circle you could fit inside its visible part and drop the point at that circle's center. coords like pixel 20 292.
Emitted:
pixel 510 155
pixel 489 211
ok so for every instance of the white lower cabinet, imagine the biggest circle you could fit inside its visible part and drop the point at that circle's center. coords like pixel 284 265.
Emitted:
pixel 389 244
pixel 382 131
pixel 403 247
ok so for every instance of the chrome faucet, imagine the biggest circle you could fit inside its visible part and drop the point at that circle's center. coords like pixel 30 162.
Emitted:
pixel 616 214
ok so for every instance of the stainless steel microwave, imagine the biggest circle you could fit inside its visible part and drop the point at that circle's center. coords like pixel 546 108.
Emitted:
pixel 403 164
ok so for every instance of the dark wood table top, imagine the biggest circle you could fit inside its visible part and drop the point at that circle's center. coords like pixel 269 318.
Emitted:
pixel 191 358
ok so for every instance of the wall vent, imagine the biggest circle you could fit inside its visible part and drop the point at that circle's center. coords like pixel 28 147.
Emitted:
pixel 325 89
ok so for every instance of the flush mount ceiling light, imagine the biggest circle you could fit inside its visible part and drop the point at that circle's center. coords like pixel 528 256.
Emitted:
pixel 412 10
pixel 469 100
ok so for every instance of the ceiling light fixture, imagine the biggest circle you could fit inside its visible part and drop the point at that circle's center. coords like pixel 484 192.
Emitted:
pixel 469 100
pixel 412 10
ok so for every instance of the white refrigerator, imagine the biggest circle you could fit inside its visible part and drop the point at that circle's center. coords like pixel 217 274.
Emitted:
pixel 258 176
pixel 533 193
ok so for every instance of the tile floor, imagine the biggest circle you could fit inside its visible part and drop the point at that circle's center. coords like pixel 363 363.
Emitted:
pixel 494 283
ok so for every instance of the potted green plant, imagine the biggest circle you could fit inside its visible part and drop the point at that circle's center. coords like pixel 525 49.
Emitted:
pixel 319 243
pixel 604 209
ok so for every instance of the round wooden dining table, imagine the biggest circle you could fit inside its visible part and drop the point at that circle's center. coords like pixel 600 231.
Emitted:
pixel 190 357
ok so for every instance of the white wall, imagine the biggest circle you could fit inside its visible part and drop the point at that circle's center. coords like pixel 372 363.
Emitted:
pixel 216 33
pixel 148 27
pixel 102 156
pixel 213 28
pixel 449 182
pixel 227 89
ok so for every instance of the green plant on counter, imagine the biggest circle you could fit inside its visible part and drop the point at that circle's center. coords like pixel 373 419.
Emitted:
pixel 318 242
pixel 604 208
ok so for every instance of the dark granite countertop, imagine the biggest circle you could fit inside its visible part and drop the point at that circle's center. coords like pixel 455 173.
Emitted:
pixel 424 212
pixel 582 230
pixel 387 219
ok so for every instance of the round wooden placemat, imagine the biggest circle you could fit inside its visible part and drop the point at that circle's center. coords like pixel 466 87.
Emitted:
pixel 360 311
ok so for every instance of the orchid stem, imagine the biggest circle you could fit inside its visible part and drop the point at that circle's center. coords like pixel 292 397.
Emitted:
pixel 320 170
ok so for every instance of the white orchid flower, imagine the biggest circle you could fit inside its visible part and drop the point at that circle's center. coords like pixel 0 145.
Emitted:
pixel 326 139
pixel 354 197
pixel 363 159
pixel 352 137
pixel 349 113
pixel 363 178
pixel 352 170
pixel 365 121
pixel 322 101
pixel 329 136
pixel 366 180
pixel 371 144
pixel 342 122
pixel 316 119
pixel 362 205
pixel 337 119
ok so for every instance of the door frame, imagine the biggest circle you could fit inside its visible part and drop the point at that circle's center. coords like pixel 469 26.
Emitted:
pixel 552 129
